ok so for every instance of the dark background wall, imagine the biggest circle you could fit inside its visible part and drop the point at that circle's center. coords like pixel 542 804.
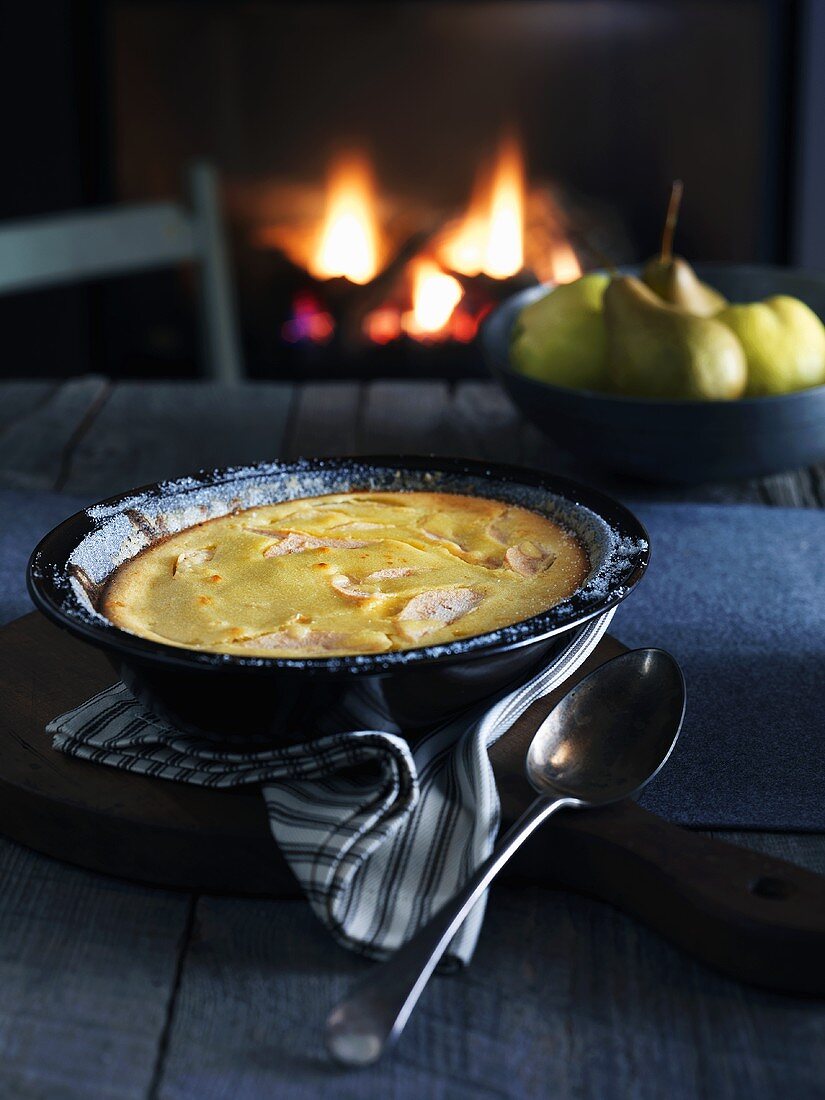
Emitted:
pixel 43 171
pixel 613 99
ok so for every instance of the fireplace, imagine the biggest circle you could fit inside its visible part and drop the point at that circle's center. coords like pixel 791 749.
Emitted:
pixel 346 275
pixel 391 170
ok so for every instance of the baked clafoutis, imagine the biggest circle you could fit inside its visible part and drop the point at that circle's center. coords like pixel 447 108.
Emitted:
pixel 347 573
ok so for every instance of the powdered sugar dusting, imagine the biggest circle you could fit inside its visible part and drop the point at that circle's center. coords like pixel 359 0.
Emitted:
pixel 120 529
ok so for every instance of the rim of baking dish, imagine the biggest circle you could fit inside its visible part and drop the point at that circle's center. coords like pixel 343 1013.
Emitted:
pixel 55 590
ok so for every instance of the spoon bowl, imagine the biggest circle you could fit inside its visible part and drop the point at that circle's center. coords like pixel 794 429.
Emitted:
pixel 612 732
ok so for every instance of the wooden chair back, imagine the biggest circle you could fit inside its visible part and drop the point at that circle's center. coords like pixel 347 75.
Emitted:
pixel 84 245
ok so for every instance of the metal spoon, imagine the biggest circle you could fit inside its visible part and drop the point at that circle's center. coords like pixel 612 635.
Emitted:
pixel 601 743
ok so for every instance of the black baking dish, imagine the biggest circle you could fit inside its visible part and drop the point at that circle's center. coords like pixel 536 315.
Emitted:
pixel 288 699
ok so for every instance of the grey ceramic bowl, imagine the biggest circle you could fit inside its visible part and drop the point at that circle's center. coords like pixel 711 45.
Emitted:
pixel 685 442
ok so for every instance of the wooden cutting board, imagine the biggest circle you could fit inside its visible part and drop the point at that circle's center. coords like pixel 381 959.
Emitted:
pixel 140 828
pixel 754 916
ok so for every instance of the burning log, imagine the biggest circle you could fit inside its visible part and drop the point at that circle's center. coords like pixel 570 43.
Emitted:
pixel 360 305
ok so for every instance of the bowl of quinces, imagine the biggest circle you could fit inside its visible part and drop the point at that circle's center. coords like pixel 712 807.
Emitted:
pixel 670 372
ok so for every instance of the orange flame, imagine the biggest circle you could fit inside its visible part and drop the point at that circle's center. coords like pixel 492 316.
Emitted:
pixel 563 263
pixel 504 253
pixel 435 294
pixel 550 256
pixel 335 232
pixel 490 238
pixel 348 242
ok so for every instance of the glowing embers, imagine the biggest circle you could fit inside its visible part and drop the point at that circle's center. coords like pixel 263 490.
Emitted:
pixel 309 321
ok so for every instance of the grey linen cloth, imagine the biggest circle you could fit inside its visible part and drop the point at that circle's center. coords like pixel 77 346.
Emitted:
pixel 380 834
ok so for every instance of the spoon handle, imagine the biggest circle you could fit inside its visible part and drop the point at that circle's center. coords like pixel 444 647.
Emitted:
pixel 360 1027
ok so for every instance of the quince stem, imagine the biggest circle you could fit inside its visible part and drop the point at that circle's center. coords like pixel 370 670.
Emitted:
pixel 677 189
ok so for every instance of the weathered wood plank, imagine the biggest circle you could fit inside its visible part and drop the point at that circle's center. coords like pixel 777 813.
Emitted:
pixel 19 399
pixel 143 431
pixel 735 492
pixel 87 969
pixel 35 448
pixel 565 997
pixel 406 417
pixel 485 423
pixel 798 489
pixel 538 450
pixel 817 475
pixel 150 431
pixel 805 849
pixel 324 420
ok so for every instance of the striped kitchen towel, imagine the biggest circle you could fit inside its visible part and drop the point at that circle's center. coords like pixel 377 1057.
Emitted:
pixel 379 833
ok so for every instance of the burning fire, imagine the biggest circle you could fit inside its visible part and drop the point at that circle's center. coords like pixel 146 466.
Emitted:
pixel 434 297
pixel 504 230
pixel 549 254
pixel 490 238
pixel 562 264
pixel 348 242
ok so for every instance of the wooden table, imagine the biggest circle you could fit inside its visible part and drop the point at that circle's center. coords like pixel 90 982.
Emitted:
pixel 115 990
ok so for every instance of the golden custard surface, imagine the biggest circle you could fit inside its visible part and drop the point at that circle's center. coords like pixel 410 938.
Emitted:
pixel 361 572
